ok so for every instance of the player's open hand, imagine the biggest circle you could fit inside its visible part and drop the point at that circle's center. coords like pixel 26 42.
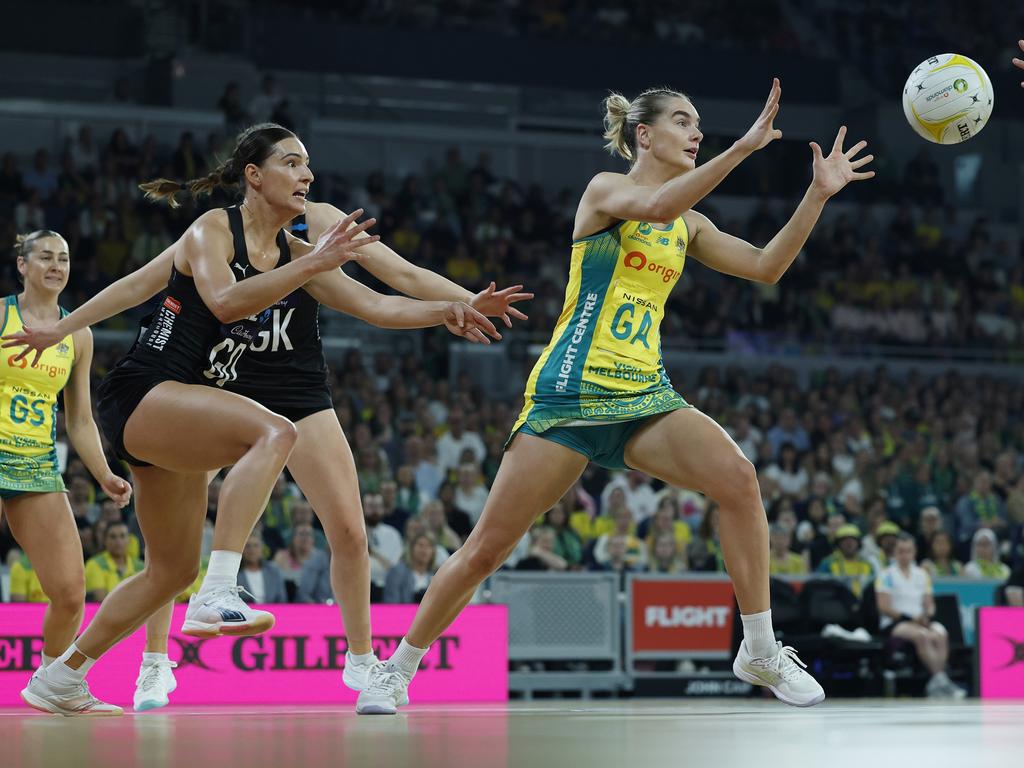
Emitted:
pixel 495 303
pixel 340 243
pixel 839 168
pixel 1019 63
pixel 762 132
pixel 462 320
pixel 34 339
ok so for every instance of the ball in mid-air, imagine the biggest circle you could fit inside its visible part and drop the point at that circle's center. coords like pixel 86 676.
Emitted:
pixel 948 98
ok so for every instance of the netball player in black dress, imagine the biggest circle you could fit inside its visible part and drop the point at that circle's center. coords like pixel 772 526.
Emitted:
pixel 214 609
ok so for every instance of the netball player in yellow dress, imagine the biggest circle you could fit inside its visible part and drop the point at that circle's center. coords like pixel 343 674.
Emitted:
pixel 599 391
pixel 31 486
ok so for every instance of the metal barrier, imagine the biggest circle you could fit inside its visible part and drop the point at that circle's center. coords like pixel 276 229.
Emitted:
pixel 571 617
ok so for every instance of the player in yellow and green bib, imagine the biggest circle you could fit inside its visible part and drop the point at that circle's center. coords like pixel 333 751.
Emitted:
pixel 600 392
pixel 31 486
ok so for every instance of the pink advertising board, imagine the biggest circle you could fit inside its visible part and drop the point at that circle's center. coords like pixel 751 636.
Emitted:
pixel 1001 652
pixel 299 661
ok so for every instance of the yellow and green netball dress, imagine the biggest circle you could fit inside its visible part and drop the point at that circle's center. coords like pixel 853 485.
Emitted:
pixel 28 410
pixel 602 373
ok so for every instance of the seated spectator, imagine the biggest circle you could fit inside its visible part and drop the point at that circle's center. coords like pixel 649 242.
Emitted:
pixel 614 508
pixel 277 517
pixel 568 544
pixel 25 586
pixel 845 563
pixel 705 551
pixel 300 549
pixel 394 515
pixel 980 508
pixel 617 557
pixel 414 527
pixel 385 543
pixel 111 566
pixel 407 495
pixel 929 524
pixel 110 513
pixel 817 533
pixel 885 537
pixel 263 581
pixel 470 492
pixel 457 519
pixel 906 606
pixel 408 580
pixel 940 562
pixel 791 478
pixel 302 514
pixel 783 560
pixel 453 442
pixel 665 520
pixel 985 563
pixel 434 522
pixel 622 527
pixel 637 492
pixel 582 515
pixel 666 556
pixel 541 555
pixel 315 579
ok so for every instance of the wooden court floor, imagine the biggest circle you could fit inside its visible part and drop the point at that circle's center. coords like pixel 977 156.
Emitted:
pixel 558 733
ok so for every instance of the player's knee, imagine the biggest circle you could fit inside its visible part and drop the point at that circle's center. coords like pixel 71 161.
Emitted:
pixel 349 541
pixel 68 596
pixel 281 434
pixel 737 484
pixel 483 558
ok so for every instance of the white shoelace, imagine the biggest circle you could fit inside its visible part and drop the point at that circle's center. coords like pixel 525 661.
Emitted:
pixel 151 673
pixel 232 596
pixel 785 664
pixel 384 681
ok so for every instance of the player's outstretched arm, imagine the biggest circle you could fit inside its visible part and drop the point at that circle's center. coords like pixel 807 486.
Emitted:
pixel 617 196
pixel 405 277
pixel 130 291
pixel 734 256
pixel 208 245
pixel 341 293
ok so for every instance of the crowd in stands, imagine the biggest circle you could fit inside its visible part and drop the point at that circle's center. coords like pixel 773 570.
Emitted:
pixel 904 275
pixel 733 23
pixel 845 464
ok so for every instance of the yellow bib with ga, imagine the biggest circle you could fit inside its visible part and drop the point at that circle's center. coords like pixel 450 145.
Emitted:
pixel 28 411
pixel 603 363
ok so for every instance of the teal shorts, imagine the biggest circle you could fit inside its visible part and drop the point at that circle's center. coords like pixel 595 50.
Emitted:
pixel 603 444
pixel 6 494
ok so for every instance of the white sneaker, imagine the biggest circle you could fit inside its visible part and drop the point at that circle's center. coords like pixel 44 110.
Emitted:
pixel 941 687
pixel 154 684
pixel 782 673
pixel 70 701
pixel 386 690
pixel 357 676
pixel 221 611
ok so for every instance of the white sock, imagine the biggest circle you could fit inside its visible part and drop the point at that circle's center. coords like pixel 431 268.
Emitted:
pixel 758 634
pixel 407 658
pixel 941 678
pixel 152 658
pixel 360 658
pixel 47 660
pixel 60 674
pixel 222 571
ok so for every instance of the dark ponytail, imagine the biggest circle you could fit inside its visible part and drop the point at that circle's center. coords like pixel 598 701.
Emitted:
pixel 253 145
